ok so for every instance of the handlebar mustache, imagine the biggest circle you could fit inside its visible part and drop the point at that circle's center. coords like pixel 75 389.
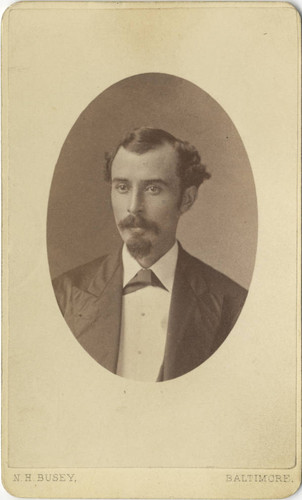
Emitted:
pixel 132 221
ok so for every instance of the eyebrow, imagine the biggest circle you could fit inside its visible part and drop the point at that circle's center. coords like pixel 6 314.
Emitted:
pixel 154 181
pixel 144 182
pixel 119 179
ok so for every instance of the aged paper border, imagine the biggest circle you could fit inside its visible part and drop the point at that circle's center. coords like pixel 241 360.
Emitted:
pixel 145 483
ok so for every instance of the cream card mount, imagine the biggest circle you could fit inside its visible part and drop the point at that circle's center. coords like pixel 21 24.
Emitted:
pixel 185 117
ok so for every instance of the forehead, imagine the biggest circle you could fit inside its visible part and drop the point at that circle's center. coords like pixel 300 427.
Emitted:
pixel 156 163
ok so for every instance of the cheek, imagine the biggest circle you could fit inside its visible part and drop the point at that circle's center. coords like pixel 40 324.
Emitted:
pixel 166 212
pixel 163 203
pixel 169 205
pixel 117 204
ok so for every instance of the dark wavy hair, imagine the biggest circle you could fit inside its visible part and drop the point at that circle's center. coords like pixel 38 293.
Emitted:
pixel 190 170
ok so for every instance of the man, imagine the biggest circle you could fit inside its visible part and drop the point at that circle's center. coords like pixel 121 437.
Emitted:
pixel 151 312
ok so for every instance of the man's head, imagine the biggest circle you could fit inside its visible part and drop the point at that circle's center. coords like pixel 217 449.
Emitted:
pixel 154 178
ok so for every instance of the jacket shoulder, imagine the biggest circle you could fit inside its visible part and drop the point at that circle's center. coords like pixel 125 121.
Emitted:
pixel 215 281
pixel 78 278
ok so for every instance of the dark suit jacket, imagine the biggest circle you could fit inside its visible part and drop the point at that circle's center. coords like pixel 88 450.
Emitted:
pixel 205 305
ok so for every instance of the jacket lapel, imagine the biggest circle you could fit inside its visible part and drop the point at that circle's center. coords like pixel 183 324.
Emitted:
pixel 193 321
pixel 94 316
pixel 97 315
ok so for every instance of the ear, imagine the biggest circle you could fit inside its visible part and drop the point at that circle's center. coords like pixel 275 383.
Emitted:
pixel 188 198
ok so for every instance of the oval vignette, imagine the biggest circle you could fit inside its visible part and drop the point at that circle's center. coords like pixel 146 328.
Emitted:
pixel 220 229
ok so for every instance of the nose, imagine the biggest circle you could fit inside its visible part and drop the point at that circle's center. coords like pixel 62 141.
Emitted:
pixel 135 202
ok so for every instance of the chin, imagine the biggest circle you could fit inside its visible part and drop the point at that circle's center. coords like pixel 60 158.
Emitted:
pixel 139 247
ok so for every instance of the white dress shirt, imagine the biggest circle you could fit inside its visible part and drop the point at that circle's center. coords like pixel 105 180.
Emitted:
pixel 145 315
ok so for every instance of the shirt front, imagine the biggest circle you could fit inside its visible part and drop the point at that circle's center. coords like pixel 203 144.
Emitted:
pixel 145 315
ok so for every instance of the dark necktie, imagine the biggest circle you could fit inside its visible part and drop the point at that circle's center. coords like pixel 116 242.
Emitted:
pixel 144 277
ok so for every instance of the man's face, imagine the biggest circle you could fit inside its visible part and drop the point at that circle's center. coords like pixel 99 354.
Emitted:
pixel 146 203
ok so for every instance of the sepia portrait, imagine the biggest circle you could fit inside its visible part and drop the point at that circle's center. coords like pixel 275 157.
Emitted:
pixel 148 310
pixel 151 256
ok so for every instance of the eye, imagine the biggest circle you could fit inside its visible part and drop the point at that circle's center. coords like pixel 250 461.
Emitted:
pixel 121 188
pixel 153 189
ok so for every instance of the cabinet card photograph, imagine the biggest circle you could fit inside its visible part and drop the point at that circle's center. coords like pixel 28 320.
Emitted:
pixel 151 199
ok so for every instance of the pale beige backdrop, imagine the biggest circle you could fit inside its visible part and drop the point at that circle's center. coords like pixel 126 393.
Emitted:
pixel 236 413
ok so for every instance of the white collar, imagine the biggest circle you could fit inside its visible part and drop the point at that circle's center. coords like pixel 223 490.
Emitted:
pixel 164 268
